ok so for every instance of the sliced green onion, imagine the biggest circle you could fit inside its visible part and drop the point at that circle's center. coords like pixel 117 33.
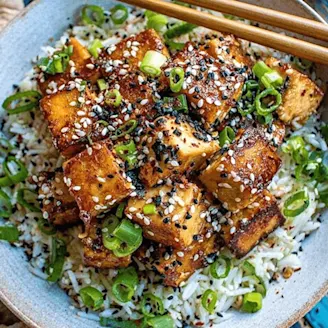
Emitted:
pixel 296 204
pixel 157 22
pixel 267 119
pixel 176 79
pixel 125 284
pixel 58 253
pixel 248 268
pixel 128 232
pixel 178 103
pixel 296 147
pixel 125 129
pixel 151 305
pixel 22 199
pixel 302 63
pixel 179 29
pixel 323 193
pixel 221 267
pixel 119 14
pixel 120 210
pixel 92 297
pixel 103 122
pixel 209 300
pixel 149 209
pixel 108 226
pixel 174 45
pixel 112 323
pixel 125 249
pixel 93 15
pixel 252 302
pixel 58 62
pixel 102 85
pixel 128 152
pixel 6 208
pixel 113 97
pixel 9 233
pixel 24 102
pixel 94 48
pixel 164 321
pixel 269 77
pixel 152 62
pixel 259 285
pixel 5 146
pixel 227 136
pixel 261 108
pixel 46 227
pixel 15 172
pixel 149 13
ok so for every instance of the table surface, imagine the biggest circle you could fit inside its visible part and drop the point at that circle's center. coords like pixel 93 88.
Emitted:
pixel 318 316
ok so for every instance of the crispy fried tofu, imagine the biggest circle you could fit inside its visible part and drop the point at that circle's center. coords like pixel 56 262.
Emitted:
pixel 57 204
pixel 301 96
pixel 96 179
pixel 178 216
pixel 69 121
pixel 95 254
pixel 80 57
pixel 173 147
pixel 177 266
pixel 238 175
pixel 244 229
pixel 213 78
pixel 125 57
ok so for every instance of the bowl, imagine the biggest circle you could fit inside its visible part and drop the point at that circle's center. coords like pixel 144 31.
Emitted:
pixel 41 305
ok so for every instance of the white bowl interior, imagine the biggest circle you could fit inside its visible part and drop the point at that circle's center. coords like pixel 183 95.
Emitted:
pixel 42 305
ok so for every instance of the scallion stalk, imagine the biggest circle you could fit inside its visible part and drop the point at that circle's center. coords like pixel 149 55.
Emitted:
pixel 9 233
pixel 252 302
pixel 176 79
pixel 221 267
pixel 92 297
pixel 296 204
pixel 119 14
pixel 151 305
pixel 6 207
pixel 125 284
pixel 152 62
pixel 209 300
pixel 93 15
pixel 24 101
pixel 95 47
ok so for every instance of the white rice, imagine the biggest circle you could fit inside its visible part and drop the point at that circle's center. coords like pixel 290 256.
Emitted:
pixel 269 259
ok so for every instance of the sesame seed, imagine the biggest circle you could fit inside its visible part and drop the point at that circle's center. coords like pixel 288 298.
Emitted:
pixel 77 188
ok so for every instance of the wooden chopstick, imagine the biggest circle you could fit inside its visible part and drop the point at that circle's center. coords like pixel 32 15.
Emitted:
pixel 267 38
pixel 268 16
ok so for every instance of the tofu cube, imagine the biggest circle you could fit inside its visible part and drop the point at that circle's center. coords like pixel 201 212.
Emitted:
pixel 245 228
pixel 96 179
pixel 81 69
pixel 301 96
pixel 57 204
pixel 174 147
pixel 69 121
pixel 238 175
pixel 95 254
pixel 213 83
pixel 178 216
pixel 176 266
pixel 125 57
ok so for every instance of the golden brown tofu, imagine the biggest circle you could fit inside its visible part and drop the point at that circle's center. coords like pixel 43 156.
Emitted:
pixel 213 83
pixel 57 204
pixel 69 120
pixel 177 266
pixel 238 175
pixel 96 179
pixel 178 214
pixel 244 229
pixel 174 147
pixel 125 57
pixel 137 99
pixel 301 96
pixel 95 254
pixel 80 57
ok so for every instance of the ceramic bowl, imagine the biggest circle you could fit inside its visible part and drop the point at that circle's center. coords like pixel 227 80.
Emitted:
pixel 43 306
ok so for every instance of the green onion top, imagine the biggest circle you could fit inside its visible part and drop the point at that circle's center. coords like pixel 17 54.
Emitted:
pixel 209 300
pixel 149 209
pixel 296 204
pixel 92 297
pixel 227 136
pixel 157 22
pixel 119 14
pixel 264 109
pixel 23 102
pixel 113 323
pixel 164 321
pixel 95 47
pixel 151 305
pixel 221 267
pixel 125 284
pixel 5 205
pixel 57 259
pixel 9 233
pixel 113 98
pixel 252 302
pixel 93 15
pixel 152 63
pixel 178 30
pixel 176 79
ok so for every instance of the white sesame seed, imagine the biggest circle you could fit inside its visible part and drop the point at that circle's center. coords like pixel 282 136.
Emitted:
pixel 77 188
pixel 90 66
pixel 143 101
pixel 180 254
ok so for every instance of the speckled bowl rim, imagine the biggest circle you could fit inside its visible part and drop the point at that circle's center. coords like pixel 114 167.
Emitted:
pixel 314 299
